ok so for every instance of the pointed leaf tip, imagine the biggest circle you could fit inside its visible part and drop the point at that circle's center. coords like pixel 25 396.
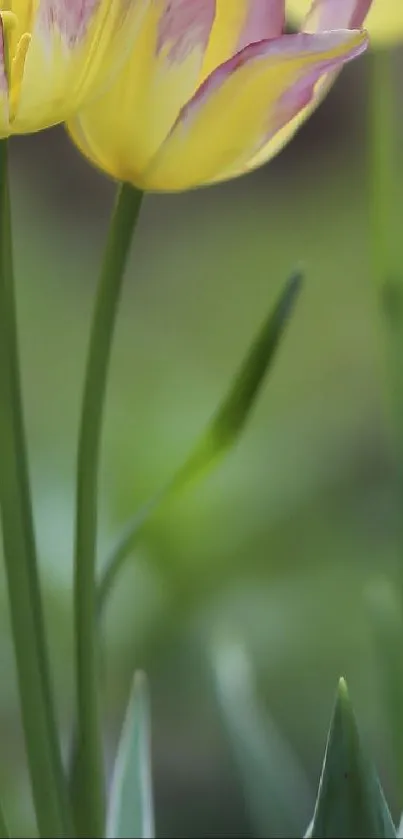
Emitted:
pixel 350 801
pixel 292 289
pixel 236 407
pixel 342 690
pixel 343 705
pixel 130 812
pixel 140 684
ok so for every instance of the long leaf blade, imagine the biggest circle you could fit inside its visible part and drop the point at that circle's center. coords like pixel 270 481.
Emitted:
pixel 131 811
pixel 222 431
pixel 235 409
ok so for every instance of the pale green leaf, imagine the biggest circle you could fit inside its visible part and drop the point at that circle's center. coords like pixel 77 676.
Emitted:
pixel 269 770
pixel 130 812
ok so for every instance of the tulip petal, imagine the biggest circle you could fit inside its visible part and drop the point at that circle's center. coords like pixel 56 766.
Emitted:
pixel 322 15
pixel 4 109
pixel 239 23
pixel 384 19
pixel 160 77
pixel 92 144
pixel 336 14
pixel 243 104
pixel 75 47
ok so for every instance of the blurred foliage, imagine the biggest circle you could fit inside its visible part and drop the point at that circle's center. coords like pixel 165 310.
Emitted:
pixel 282 542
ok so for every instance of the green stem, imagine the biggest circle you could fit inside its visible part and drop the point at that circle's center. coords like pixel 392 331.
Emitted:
pixel 388 276
pixel 126 544
pixel 89 784
pixel 43 750
pixel 385 236
pixel 383 133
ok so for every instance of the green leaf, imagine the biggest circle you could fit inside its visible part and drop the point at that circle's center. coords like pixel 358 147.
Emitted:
pixel 269 770
pixel 350 801
pixel 386 623
pixel 130 812
pixel 232 414
pixel 222 432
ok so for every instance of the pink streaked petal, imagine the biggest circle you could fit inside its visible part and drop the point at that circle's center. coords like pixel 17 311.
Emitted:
pixel 244 103
pixel 287 45
pixel 160 76
pixel 71 18
pixel 323 16
pixel 264 19
pixel 4 89
pixel 184 25
pixel 295 100
pixel 64 67
pixel 336 14
pixel 299 96
pixel 3 73
pixel 238 23
pixel 351 12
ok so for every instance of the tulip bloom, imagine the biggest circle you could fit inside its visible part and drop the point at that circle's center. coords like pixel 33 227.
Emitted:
pixel 213 88
pixel 55 53
pixel 384 21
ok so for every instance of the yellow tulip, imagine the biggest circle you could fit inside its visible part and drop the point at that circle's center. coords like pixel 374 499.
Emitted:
pixel 213 88
pixel 384 21
pixel 55 53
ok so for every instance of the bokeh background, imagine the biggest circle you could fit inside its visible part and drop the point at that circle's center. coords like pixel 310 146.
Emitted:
pixel 284 547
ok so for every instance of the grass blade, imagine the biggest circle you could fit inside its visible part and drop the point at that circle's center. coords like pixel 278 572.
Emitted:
pixel 131 814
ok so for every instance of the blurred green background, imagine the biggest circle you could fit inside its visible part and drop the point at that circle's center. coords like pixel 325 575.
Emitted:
pixel 280 546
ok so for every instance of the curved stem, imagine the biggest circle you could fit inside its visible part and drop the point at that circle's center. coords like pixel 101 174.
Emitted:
pixel 385 235
pixel 43 750
pixel 388 276
pixel 382 165
pixel 89 781
pixel 126 544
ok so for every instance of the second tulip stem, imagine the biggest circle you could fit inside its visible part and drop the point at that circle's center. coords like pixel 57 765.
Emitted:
pixel 385 236
pixel 387 269
pixel 25 599
pixel 89 781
